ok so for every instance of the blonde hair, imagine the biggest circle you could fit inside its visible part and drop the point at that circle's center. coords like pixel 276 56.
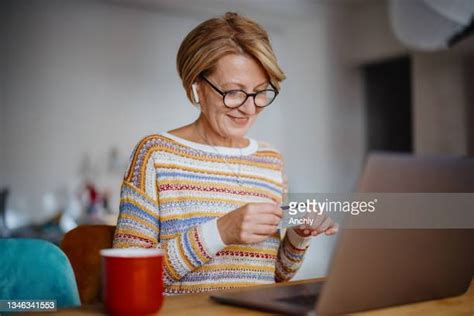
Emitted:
pixel 213 39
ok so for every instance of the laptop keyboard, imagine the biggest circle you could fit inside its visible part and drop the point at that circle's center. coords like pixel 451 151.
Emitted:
pixel 307 301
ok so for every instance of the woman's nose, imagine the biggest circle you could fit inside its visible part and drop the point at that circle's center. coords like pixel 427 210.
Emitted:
pixel 248 107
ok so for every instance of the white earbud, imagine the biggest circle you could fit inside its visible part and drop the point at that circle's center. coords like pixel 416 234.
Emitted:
pixel 195 94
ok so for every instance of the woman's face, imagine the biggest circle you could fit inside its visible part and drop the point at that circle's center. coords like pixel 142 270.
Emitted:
pixel 232 72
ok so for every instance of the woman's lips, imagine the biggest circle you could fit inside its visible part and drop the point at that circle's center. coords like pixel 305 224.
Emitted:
pixel 239 120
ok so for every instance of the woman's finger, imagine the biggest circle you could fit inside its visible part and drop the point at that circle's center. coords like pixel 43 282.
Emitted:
pixel 267 219
pixel 325 225
pixel 265 208
pixel 265 230
pixel 317 220
pixel 332 229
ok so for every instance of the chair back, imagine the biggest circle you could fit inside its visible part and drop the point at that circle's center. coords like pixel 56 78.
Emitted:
pixel 82 246
pixel 34 269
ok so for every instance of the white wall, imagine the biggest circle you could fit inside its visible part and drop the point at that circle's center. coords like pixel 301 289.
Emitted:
pixel 83 77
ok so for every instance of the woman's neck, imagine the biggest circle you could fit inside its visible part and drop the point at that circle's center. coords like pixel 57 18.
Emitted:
pixel 207 135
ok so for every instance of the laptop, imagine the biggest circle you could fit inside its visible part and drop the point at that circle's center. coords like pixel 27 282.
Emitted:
pixel 375 268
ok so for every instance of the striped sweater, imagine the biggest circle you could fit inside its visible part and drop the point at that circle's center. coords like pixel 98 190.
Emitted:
pixel 174 191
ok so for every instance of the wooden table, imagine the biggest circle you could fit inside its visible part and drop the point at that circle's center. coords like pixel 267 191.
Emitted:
pixel 200 304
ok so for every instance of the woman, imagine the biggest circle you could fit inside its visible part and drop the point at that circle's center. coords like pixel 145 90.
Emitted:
pixel 204 193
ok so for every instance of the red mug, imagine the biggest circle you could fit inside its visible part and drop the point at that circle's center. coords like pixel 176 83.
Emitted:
pixel 132 281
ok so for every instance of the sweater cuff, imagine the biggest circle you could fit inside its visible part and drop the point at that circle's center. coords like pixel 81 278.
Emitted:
pixel 211 237
pixel 296 240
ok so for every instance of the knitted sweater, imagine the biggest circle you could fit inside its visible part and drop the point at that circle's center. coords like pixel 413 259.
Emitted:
pixel 173 192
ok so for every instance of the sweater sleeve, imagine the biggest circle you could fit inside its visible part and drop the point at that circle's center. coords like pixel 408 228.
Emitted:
pixel 292 248
pixel 138 224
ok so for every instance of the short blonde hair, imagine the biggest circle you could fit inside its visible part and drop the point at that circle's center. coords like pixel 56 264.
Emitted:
pixel 217 37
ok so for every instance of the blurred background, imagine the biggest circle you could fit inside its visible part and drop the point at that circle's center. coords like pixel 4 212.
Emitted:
pixel 82 81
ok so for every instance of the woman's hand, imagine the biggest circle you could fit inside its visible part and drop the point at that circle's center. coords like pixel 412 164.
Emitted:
pixel 251 223
pixel 321 224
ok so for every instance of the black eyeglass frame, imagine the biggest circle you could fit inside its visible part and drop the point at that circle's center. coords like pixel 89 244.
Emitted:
pixel 224 93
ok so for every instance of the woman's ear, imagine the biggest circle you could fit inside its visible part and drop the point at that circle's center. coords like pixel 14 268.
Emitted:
pixel 195 93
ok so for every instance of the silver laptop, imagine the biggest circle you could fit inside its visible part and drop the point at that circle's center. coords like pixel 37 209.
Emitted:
pixel 374 268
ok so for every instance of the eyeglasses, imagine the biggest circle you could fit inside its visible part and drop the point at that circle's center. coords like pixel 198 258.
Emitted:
pixel 236 98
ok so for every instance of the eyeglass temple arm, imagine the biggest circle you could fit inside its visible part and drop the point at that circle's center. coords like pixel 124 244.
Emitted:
pixel 212 85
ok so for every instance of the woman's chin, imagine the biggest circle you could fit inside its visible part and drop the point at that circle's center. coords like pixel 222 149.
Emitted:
pixel 236 133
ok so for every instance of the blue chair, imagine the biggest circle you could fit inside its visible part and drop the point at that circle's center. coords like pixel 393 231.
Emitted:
pixel 37 270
